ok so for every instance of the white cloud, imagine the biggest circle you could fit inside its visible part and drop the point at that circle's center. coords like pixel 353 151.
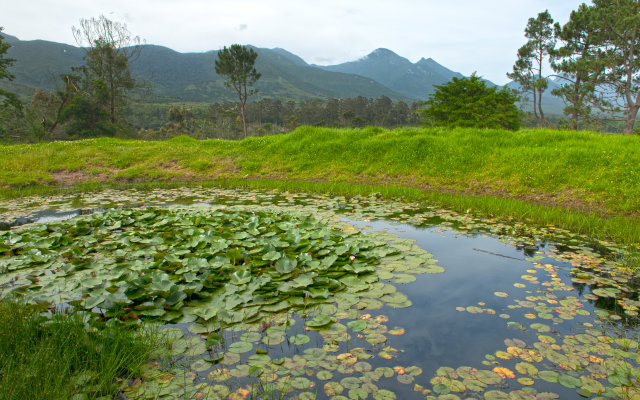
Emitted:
pixel 464 35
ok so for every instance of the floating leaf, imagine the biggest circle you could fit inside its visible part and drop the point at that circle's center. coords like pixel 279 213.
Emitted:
pixel 333 388
pixel 488 377
pixel 358 393
pixel 357 325
pixel 362 367
pixel 240 277
pixel 200 366
pixel 219 375
pixel 240 347
pixel 299 339
pixel 569 381
pixel 504 372
pixel 384 394
pixel 496 395
pixel 300 383
pixel 324 375
pixel 350 382
pixel 320 321
pixel 525 381
pixel 285 265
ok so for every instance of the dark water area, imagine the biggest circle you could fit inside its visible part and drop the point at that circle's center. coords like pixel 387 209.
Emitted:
pixel 475 267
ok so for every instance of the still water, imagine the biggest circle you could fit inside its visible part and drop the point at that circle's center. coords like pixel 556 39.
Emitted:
pixel 494 292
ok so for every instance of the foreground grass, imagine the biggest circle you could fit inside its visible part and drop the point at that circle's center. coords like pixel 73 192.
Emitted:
pixel 60 359
pixel 586 182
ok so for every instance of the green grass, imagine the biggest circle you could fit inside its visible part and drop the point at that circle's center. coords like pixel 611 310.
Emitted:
pixel 583 181
pixel 61 358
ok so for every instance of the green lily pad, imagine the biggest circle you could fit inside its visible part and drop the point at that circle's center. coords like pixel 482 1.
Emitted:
pixel 324 375
pixel 384 394
pixel 350 382
pixel 549 376
pixel 299 339
pixel 496 395
pixel 300 383
pixel 320 321
pixel 357 325
pixel 200 366
pixel 240 347
pixel 569 381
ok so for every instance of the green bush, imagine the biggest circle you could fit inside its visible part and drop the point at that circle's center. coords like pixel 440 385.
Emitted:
pixel 469 103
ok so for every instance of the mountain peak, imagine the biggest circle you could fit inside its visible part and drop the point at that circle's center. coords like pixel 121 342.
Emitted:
pixel 427 61
pixel 381 53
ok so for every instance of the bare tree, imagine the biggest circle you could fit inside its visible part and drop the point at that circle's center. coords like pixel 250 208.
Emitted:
pixel 109 49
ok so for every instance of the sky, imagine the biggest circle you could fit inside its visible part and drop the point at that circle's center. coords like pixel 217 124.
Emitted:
pixel 463 35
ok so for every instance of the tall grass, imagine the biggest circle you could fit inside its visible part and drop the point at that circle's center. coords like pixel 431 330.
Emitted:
pixel 62 357
pixel 579 168
pixel 583 181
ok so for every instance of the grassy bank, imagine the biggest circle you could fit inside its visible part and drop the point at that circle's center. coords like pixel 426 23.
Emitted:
pixel 586 182
pixel 61 359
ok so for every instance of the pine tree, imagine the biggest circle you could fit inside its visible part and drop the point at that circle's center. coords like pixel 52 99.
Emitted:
pixel 528 70
pixel 579 63
pixel 237 64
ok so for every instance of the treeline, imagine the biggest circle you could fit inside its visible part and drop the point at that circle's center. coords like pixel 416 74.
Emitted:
pixel 268 116
pixel 596 55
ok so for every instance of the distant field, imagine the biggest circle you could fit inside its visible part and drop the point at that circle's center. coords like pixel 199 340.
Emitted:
pixel 594 174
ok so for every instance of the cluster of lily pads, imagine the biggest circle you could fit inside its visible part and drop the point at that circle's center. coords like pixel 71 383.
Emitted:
pixel 270 300
pixel 597 361
pixel 214 269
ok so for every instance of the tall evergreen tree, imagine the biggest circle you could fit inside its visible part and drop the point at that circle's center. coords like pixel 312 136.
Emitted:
pixel 237 64
pixel 619 21
pixel 528 70
pixel 579 62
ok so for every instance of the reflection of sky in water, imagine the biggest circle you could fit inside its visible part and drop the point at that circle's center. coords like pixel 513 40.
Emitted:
pixel 48 217
pixel 475 267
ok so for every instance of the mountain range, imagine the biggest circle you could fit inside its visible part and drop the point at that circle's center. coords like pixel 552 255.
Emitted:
pixel 191 77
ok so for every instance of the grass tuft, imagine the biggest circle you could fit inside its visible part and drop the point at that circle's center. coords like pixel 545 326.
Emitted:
pixel 62 357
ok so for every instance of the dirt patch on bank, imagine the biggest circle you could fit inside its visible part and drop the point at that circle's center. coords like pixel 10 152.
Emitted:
pixel 71 178
pixel 172 171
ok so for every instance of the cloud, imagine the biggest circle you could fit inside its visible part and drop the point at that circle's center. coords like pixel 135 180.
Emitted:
pixel 242 27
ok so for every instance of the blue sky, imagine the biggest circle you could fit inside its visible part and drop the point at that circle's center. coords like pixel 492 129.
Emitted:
pixel 463 35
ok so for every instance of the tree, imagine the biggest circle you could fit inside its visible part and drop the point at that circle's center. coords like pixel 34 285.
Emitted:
pixel 10 99
pixel 237 64
pixel 619 23
pixel 528 69
pixel 109 48
pixel 468 102
pixel 87 111
pixel 579 63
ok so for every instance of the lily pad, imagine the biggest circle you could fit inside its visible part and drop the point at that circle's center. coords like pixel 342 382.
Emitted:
pixel 320 321
pixel 240 347
pixel 299 339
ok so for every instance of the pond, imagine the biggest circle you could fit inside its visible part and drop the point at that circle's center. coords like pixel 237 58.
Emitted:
pixel 281 295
